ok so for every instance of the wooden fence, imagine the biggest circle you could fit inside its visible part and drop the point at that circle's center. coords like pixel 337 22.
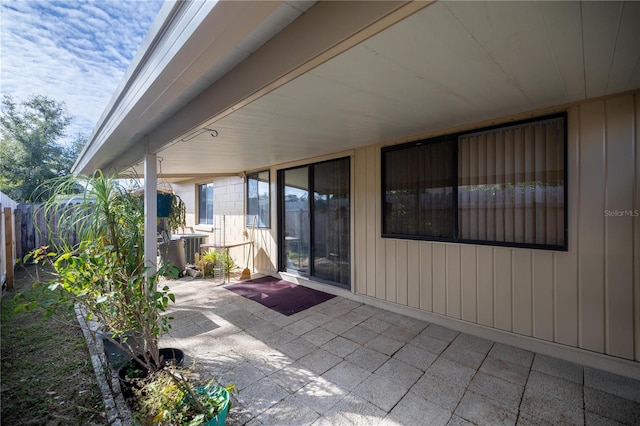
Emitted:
pixel 7 239
pixel 36 229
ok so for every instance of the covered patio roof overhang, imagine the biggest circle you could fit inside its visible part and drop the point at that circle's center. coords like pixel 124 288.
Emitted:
pixel 224 87
pixel 279 81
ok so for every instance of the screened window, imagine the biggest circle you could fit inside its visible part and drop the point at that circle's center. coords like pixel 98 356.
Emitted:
pixel 205 204
pixel 258 199
pixel 502 186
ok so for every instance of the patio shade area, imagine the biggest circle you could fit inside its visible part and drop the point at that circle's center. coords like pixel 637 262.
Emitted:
pixel 342 362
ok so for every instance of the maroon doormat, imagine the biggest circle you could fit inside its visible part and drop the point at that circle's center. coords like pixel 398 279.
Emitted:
pixel 279 295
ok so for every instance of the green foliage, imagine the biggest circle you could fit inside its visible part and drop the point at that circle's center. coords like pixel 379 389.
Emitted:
pixel 38 359
pixel 105 274
pixel 177 215
pixel 214 259
pixel 166 400
pixel 30 152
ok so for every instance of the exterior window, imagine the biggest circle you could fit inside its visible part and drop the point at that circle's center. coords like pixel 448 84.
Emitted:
pixel 500 186
pixel 258 199
pixel 205 204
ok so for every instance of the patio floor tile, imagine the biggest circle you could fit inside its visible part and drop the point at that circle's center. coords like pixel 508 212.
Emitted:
pixel 279 338
pixel 542 408
pixel 512 354
pixel 463 355
pixel 611 406
pixel 299 327
pixel 481 410
pixel 558 368
pixel 298 348
pixel 340 346
pixel 440 332
pixel 346 363
pixel 375 324
pixel 285 413
pixel 346 375
pixel 263 329
pixel 399 372
pixel 474 343
pixel 320 361
pixel 399 333
pixel 354 411
pixel 380 391
pixel 554 387
pixel 367 358
pixel 367 310
pixel 415 356
pixel 294 377
pixel 337 326
pixel 439 391
pixel 612 383
pixel 261 395
pixel 429 343
pixel 502 392
pixel 384 344
pixel 452 372
pixel 458 421
pixel 318 336
pixel 414 410
pixel 243 375
pixel 319 394
pixel 359 334
pixel 505 370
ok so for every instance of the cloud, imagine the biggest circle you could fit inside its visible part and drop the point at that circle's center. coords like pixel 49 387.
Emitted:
pixel 75 52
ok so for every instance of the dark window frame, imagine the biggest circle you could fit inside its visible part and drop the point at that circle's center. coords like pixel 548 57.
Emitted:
pixel 454 140
pixel 249 216
pixel 207 220
pixel 281 218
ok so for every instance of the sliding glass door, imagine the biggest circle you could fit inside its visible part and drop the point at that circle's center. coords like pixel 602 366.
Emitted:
pixel 315 229
pixel 296 219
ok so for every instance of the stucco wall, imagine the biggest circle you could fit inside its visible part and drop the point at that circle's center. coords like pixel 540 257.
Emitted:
pixel 587 297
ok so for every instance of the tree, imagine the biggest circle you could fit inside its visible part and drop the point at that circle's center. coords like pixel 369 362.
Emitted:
pixel 30 150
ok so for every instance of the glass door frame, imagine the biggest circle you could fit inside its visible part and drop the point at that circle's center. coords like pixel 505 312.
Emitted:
pixel 282 255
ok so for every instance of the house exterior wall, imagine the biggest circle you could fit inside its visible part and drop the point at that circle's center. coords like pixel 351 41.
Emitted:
pixel 228 211
pixel 587 297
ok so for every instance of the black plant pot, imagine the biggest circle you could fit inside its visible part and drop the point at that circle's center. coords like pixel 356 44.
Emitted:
pixel 132 374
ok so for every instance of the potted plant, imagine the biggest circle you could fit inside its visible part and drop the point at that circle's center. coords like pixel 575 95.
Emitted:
pixel 105 274
pixel 169 399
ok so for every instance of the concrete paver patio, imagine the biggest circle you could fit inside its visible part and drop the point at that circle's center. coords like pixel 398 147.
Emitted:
pixel 346 363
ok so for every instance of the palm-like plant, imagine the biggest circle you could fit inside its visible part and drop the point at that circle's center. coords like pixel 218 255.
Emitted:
pixel 105 272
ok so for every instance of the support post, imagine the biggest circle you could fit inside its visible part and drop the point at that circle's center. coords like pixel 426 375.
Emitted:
pixel 150 214
pixel 8 244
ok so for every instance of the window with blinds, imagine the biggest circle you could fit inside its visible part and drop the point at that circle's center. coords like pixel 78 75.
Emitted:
pixel 502 185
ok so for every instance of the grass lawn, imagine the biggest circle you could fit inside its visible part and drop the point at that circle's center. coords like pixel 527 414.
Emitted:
pixel 46 372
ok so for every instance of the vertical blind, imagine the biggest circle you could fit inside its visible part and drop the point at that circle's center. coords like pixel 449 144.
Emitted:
pixel 501 185
pixel 511 184
pixel 419 190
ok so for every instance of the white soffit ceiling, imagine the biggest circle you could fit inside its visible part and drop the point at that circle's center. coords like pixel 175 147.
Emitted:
pixel 452 63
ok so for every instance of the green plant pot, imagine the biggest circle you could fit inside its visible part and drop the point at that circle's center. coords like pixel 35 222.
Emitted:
pixel 164 204
pixel 221 417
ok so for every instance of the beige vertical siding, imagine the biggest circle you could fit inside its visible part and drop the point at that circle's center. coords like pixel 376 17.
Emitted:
pixel 587 297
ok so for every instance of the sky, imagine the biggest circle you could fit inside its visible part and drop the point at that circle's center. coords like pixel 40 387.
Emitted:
pixel 75 52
